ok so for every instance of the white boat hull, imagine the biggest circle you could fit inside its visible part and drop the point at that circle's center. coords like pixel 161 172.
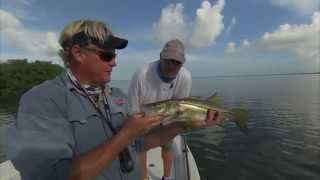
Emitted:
pixel 8 172
pixel 155 168
pixel 180 169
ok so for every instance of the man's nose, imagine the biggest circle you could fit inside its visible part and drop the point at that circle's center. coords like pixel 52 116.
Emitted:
pixel 113 63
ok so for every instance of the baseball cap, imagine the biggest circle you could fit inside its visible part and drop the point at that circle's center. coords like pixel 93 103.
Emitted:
pixel 87 33
pixel 173 49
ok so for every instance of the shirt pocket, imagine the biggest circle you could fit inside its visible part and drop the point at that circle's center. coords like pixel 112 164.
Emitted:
pixel 118 117
pixel 87 130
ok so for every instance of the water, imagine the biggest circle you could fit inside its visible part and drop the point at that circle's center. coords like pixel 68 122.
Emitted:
pixel 6 117
pixel 284 128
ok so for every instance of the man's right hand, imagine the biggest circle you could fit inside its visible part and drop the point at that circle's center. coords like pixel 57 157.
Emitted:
pixel 138 124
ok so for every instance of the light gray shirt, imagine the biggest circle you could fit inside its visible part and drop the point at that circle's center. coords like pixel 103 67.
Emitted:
pixel 55 123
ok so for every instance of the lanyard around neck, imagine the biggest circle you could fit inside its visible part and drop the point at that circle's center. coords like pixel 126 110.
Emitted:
pixel 126 162
pixel 106 105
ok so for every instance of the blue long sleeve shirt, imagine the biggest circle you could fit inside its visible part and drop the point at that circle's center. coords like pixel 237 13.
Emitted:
pixel 55 123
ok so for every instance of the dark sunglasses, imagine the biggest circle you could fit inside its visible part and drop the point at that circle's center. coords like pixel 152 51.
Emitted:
pixel 105 56
pixel 174 62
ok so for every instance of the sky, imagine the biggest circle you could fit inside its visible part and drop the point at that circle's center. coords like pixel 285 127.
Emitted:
pixel 222 37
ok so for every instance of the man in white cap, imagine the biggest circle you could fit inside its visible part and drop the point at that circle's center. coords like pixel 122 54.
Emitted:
pixel 160 80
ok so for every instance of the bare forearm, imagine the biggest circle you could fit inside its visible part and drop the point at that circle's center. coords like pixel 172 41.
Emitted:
pixel 161 135
pixel 92 163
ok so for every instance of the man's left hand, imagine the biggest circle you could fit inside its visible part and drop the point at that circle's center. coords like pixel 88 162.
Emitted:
pixel 213 118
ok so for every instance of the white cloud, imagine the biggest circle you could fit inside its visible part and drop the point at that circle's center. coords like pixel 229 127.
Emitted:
pixel 245 43
pixel 208 25
pixel 42 45
pixel 22 9
pixel 8 21
pixel 18 2
pixel 171 23
pixel 231 47
pixel 231 25
pixel 297 40
pixel 300 6
pixel 201 32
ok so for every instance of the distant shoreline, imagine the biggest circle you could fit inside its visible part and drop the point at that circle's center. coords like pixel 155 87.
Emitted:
pixel 241 75
pixel 251 75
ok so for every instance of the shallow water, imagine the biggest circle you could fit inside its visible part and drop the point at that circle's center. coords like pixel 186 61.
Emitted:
pixel 284 128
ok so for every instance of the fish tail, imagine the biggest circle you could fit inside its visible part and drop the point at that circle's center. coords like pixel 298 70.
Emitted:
pixel 241 119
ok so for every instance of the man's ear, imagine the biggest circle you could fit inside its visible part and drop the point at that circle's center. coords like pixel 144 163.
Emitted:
pixel 77 54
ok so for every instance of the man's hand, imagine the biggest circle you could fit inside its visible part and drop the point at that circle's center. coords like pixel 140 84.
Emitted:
pixel 138 124
pixel 213 118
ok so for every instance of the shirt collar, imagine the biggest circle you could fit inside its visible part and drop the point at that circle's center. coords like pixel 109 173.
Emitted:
pixel 71 86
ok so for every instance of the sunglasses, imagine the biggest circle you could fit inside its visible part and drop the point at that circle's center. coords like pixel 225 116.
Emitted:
pixel 105 56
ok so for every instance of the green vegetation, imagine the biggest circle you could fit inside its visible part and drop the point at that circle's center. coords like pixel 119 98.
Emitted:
pixel 17 76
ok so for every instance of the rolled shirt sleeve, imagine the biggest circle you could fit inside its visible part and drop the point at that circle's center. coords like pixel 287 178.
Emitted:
pixel 40 142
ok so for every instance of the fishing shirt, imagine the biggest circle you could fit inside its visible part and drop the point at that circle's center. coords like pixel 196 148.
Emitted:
pixel 55 124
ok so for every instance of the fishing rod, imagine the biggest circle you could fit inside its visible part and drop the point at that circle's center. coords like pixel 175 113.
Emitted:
pixel 184 137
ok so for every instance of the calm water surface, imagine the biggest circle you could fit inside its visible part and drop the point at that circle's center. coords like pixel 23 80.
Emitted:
pixel 284 128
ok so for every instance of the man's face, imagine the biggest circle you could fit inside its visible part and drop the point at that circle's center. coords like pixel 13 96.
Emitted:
pixel 170 67
pixel 98 64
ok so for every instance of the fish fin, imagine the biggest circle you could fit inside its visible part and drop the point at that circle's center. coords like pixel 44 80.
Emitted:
pixel 241 116
pixel 207 98
pixel 214 99
pixel 195 97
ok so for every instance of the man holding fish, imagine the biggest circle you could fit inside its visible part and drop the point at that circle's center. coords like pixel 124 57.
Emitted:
pixel 160 80
pixel 161 88
pixel 76 126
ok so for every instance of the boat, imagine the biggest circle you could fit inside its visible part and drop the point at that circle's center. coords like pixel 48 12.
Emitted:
pixel 181 169
pixel 8 172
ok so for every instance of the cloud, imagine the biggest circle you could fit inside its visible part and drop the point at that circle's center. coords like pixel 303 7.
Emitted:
pixel 171 23
pixel 300 6
pixel 201 32
pixel 8 21
pixel 37 44
pixel 22 9
pixel 245 43
pixel 231 48
pixel 208 25
pixel 231 25
pixel 297 40
pixel 18 2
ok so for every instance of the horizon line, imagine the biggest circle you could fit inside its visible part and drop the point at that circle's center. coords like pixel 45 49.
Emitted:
pixel 243 75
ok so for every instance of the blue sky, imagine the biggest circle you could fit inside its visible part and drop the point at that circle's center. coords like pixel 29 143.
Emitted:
pixel 223 37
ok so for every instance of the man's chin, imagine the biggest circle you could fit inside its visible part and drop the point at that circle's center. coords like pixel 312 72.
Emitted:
pixel 171 76
pixel 102 82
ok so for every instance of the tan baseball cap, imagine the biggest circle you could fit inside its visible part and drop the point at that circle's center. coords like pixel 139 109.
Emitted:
pixel 173 49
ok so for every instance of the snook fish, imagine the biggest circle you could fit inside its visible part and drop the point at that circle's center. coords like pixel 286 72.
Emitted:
pixel 194 109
